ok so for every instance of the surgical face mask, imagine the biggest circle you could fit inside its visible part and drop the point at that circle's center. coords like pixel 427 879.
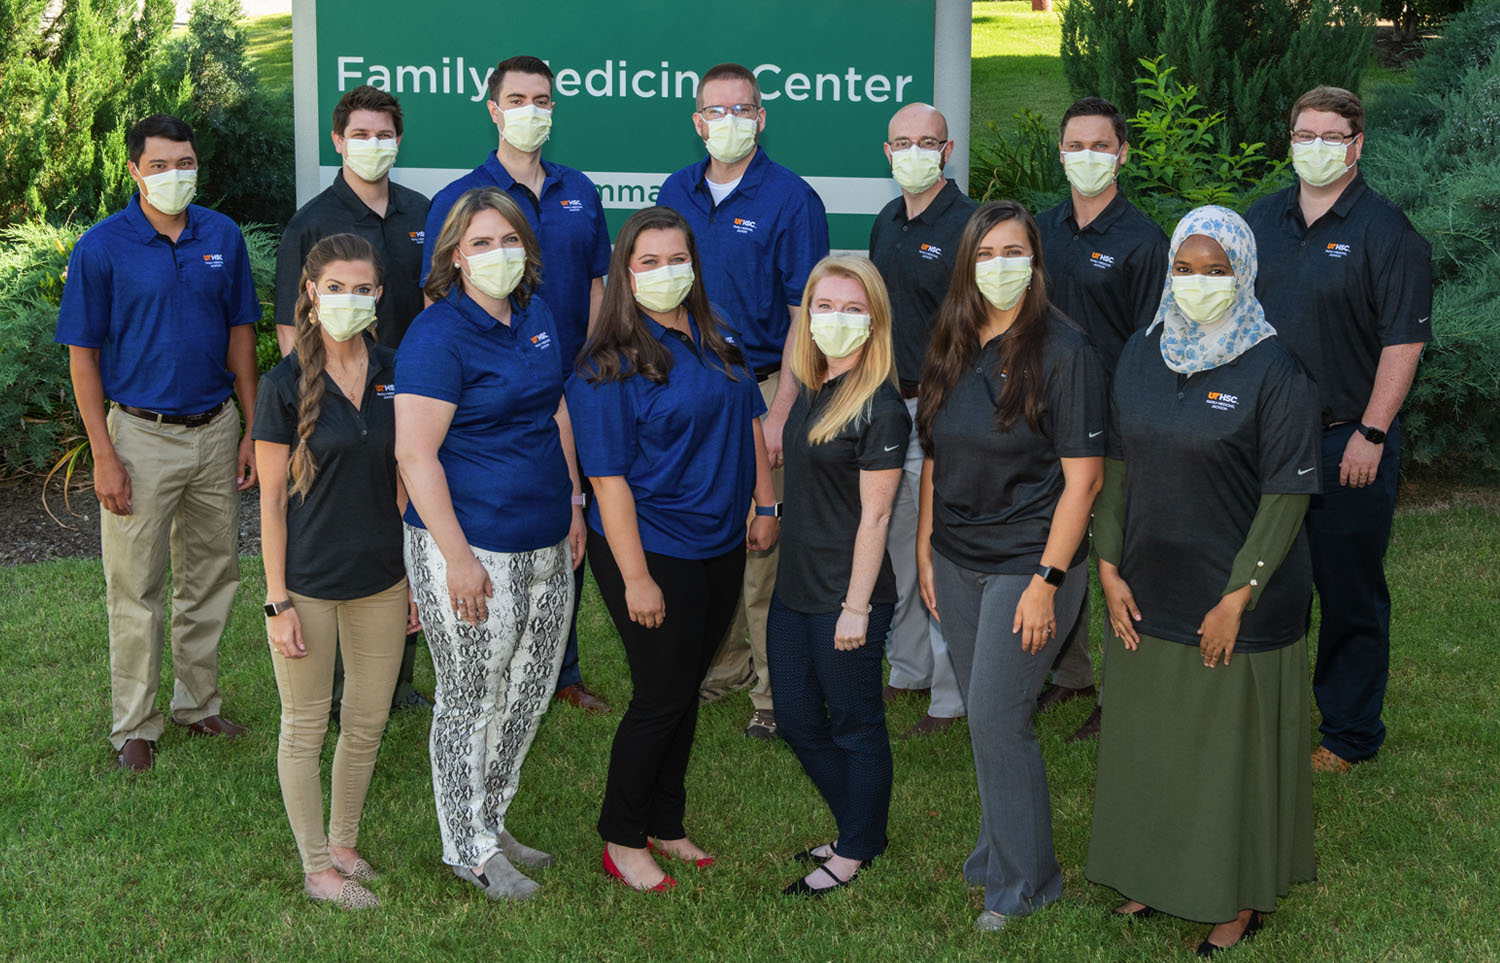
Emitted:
pixel 496 272
pixel 1003 280
pixel 1320 163
pixel 345 315
pixel 839 333
pixel 730 138
pixel 526 128
pixel 370 158
pixel 663 288
pixel 1090 171
pixel 170 191
pixel 916 169
pixel 1203 299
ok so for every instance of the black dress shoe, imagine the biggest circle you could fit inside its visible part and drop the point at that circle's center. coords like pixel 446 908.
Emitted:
pixel 1090 727
pixel 1206 949
pixel 1055 695
pixel 800 887
pixel 410 699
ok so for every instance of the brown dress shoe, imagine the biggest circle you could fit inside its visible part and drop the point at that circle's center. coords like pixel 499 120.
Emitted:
pixel 214 726
pixel 1325 760
pixel 137 755
pixel 891 693
pixel 1090 727
pixel 1055 695
pixel 927 726
pixel 578 696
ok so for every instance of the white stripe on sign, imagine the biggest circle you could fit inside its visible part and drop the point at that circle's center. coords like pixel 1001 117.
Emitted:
pixel 629 191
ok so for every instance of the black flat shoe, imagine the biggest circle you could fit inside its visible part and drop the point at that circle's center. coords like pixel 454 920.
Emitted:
pixel 1207 949
pixel 1144 913
pixel 800 887
pixel 808 856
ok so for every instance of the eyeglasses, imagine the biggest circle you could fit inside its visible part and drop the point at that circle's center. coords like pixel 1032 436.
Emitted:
pixel 926 143
pixel 720 111
pixel 1332 137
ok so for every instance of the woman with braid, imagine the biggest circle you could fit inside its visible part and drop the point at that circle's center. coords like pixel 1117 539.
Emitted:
pixel 331 533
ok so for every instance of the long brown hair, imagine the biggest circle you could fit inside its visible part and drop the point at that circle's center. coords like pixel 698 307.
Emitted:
pixel 444 274
pixel 955 334
pixel 308 344
pixel 876 365
pixel 619 344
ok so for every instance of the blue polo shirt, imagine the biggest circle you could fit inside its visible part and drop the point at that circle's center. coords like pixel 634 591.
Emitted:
pixel 569 224
pixel 686 447
pixel 159 312
pixel 503 457
pixel 756 249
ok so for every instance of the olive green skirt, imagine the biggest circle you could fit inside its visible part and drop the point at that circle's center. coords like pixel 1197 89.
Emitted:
pixel 1203 798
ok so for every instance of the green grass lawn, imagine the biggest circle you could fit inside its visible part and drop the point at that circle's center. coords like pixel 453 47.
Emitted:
pixel 1015 65
pixel 194 861
pixel 270 49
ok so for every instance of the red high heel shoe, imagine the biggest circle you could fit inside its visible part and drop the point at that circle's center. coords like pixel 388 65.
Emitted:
pixel 703 862
pixel 613 870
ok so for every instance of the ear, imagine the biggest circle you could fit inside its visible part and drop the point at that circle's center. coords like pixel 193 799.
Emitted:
pixel 1124 153
pixel 379 290
pixel 886 149
pixel 947 154
pixel 312 294
pixel 338 142
pixel 760 123
pixel 497 117
pixel 699 126
pixel 1358 146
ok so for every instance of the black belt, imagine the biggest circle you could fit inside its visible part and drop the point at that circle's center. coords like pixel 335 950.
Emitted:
pixel 762 374
pixel 186 421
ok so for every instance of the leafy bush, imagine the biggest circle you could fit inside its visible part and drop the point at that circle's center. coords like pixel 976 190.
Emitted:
pixel 1249 58
pixel 1022 166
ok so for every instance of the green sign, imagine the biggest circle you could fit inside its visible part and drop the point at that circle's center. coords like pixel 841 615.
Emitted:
pixel 831 74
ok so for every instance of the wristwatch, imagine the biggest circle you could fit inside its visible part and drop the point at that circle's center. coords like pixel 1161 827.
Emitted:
pixel 770 511
pixel 1373 435
pixel 274 609
pixel 1051 574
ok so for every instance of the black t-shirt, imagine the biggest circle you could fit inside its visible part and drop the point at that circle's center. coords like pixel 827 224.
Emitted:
pixel 1199 451
pixel 821 510
pixel 344 540
pixel 994 492
pixel 1108 276
pixel 397 238
pixel 915 259
pixel 1357 281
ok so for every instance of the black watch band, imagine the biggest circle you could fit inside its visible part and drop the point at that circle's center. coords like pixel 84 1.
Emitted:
pixel 274 609
pixel 1373 435
pixel 1051 574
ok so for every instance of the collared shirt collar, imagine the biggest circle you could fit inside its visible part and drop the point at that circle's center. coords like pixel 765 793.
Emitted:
pixel 1350 196
pixel 1107 217
pixel 471 312
pixel 934 210
pixel 143 229
pixel 356 204
pixel 661 332
pixel 754 174
pixel 502 176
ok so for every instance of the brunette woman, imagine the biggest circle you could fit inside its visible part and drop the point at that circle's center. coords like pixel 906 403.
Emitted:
pixel 1012 418
pixel 669 435
pixel 325 435
pixel 845 445
pixel 485 447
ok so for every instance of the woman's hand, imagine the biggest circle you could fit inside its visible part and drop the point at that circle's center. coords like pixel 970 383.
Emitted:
pixel 762 533
pixel 850 632
pixel 1221 626
pixel 925 583
pixel 1123 612
pixel 285 633
pixel 577 535
pixel 413 619
pixel 1035 620
pixel 644 601
pixel 468 587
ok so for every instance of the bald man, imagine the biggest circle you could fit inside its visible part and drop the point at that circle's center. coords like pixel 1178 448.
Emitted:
pixel 913 243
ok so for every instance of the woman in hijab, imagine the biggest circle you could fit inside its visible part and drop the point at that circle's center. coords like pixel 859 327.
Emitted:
pixel 1203 803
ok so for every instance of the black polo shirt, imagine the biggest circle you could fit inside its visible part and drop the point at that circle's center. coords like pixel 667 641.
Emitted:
pixel 1338 292
pixel 994 492
pixel 822 509
pixel 1199 451
pixel 915 259
pixel 397 239
pixel 1108 276
pixel 343 541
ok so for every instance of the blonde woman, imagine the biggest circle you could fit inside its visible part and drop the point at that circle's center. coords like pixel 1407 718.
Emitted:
pixel 845 444
pixel 331 535
pixel 485 447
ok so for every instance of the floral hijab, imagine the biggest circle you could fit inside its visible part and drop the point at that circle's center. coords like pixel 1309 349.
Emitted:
pixel 1189 347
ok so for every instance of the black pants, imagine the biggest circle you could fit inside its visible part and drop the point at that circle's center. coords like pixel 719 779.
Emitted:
pixel 645 794
pixel 1348 530
pixel 830 711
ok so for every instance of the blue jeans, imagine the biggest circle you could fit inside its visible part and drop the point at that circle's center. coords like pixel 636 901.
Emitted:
pixel 830 711
pixel 1348 530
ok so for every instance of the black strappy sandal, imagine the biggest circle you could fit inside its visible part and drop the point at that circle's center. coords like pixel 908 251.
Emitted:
pixel 800 887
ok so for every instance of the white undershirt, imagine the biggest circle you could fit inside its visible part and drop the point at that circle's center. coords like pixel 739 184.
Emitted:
pixel 721 191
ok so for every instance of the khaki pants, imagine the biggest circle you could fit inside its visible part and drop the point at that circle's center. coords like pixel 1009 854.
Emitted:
pixel 742 654
pixel 371 632
pixel 184 507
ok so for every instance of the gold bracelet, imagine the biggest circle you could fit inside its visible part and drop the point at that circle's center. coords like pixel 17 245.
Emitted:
pixel 851 609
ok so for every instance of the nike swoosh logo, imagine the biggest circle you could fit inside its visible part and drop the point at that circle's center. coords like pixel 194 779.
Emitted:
pixel 892 447
pixel 1095 434
pixel 1424 320
pixel 1303 471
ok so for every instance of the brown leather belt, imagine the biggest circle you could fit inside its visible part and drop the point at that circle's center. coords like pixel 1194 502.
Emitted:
pixel 186 421
pixel 910 393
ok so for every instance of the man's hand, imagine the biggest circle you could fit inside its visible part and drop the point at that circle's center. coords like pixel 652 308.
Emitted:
pixel 1360 463
pixel 773 424
pixel 112 483
pixel 244 472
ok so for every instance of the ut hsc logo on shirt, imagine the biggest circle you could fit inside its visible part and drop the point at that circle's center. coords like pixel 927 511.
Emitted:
pixel 573 205
pixel 744 225
pixel 541 340
pixel 930 252
pixel 214 261
pixel 418 238
pixel 1220 401
pixel 1337 250
pixel 1102 261
pixel 386 391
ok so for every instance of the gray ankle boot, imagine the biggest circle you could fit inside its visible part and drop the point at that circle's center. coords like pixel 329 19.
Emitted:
pixel 499 880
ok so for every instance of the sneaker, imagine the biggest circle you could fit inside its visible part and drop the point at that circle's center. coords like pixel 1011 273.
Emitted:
pixel 762 725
